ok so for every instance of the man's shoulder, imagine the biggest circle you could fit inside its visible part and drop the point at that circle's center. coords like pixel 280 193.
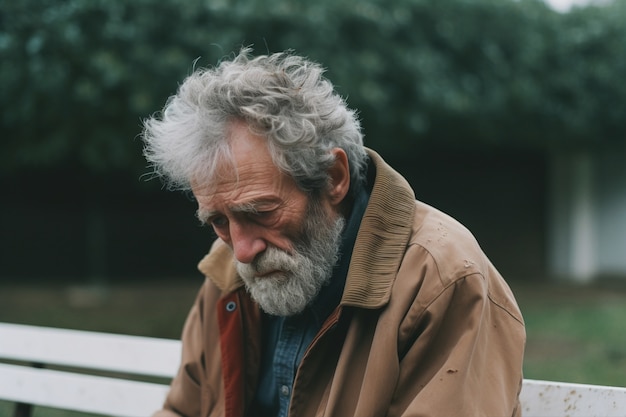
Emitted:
pixel 441 253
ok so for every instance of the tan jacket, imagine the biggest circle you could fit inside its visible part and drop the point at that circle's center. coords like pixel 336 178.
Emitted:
pixel 426 327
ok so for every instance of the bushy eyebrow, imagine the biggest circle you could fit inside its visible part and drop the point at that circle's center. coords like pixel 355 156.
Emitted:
pixel 249 207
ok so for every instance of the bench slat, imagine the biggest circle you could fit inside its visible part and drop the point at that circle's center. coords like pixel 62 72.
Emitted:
pixel 559 399
pixel 78 392
pixel 91 350
pixel 160 357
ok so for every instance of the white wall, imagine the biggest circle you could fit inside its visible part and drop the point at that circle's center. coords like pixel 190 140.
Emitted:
pixel 587 215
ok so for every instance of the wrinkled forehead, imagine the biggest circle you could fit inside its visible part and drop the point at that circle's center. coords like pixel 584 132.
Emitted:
pixel 242 155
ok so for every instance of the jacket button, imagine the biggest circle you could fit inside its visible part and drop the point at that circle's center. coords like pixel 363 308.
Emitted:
pixel 284 390
pixel 231 306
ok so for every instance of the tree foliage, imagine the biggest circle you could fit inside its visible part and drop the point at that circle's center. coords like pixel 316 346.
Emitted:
pixel 79 76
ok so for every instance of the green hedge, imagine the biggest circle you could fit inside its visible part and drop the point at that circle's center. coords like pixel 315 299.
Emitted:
pixel 78 76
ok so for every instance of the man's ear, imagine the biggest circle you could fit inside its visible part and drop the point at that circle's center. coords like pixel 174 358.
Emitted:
pixel 339 175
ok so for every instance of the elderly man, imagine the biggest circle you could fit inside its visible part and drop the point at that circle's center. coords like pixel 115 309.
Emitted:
pixel 329 291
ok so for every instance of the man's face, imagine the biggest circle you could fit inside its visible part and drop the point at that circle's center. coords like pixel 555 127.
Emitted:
pixel 284 242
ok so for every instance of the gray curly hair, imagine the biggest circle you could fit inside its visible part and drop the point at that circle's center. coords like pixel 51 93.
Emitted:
pixel 283 97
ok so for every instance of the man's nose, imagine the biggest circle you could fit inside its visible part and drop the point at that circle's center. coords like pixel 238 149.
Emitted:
pixel 247 242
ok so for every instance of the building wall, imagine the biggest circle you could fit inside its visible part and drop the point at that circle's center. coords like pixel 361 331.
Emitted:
pixel 67 226
pixel 534 215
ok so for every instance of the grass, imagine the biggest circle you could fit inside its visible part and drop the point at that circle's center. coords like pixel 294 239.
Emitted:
pixel 575 333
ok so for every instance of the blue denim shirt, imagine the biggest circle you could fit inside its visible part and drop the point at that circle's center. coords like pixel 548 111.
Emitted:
pixel 285 339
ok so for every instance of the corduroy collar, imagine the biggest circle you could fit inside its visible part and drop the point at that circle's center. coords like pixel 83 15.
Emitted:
pixel 382 238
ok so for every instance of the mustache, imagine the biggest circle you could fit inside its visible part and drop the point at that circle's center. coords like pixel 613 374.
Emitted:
pixel 272 259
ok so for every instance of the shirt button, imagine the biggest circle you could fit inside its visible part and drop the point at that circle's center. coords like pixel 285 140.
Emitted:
pixel 284 390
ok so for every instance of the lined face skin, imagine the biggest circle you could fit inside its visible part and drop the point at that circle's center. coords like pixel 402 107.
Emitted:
pixel 285 243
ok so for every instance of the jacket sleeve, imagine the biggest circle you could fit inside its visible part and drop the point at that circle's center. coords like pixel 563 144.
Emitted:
pixel 184 396
pixel 461 351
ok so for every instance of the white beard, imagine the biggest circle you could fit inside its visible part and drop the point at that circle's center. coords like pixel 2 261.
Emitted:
pixel 302 274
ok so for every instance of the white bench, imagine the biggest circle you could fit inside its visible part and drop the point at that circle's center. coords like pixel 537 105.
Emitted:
pixel 117 360
pixel 68 355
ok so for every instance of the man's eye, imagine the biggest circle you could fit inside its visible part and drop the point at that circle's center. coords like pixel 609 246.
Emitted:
pixel 263 215
pixel 219 221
